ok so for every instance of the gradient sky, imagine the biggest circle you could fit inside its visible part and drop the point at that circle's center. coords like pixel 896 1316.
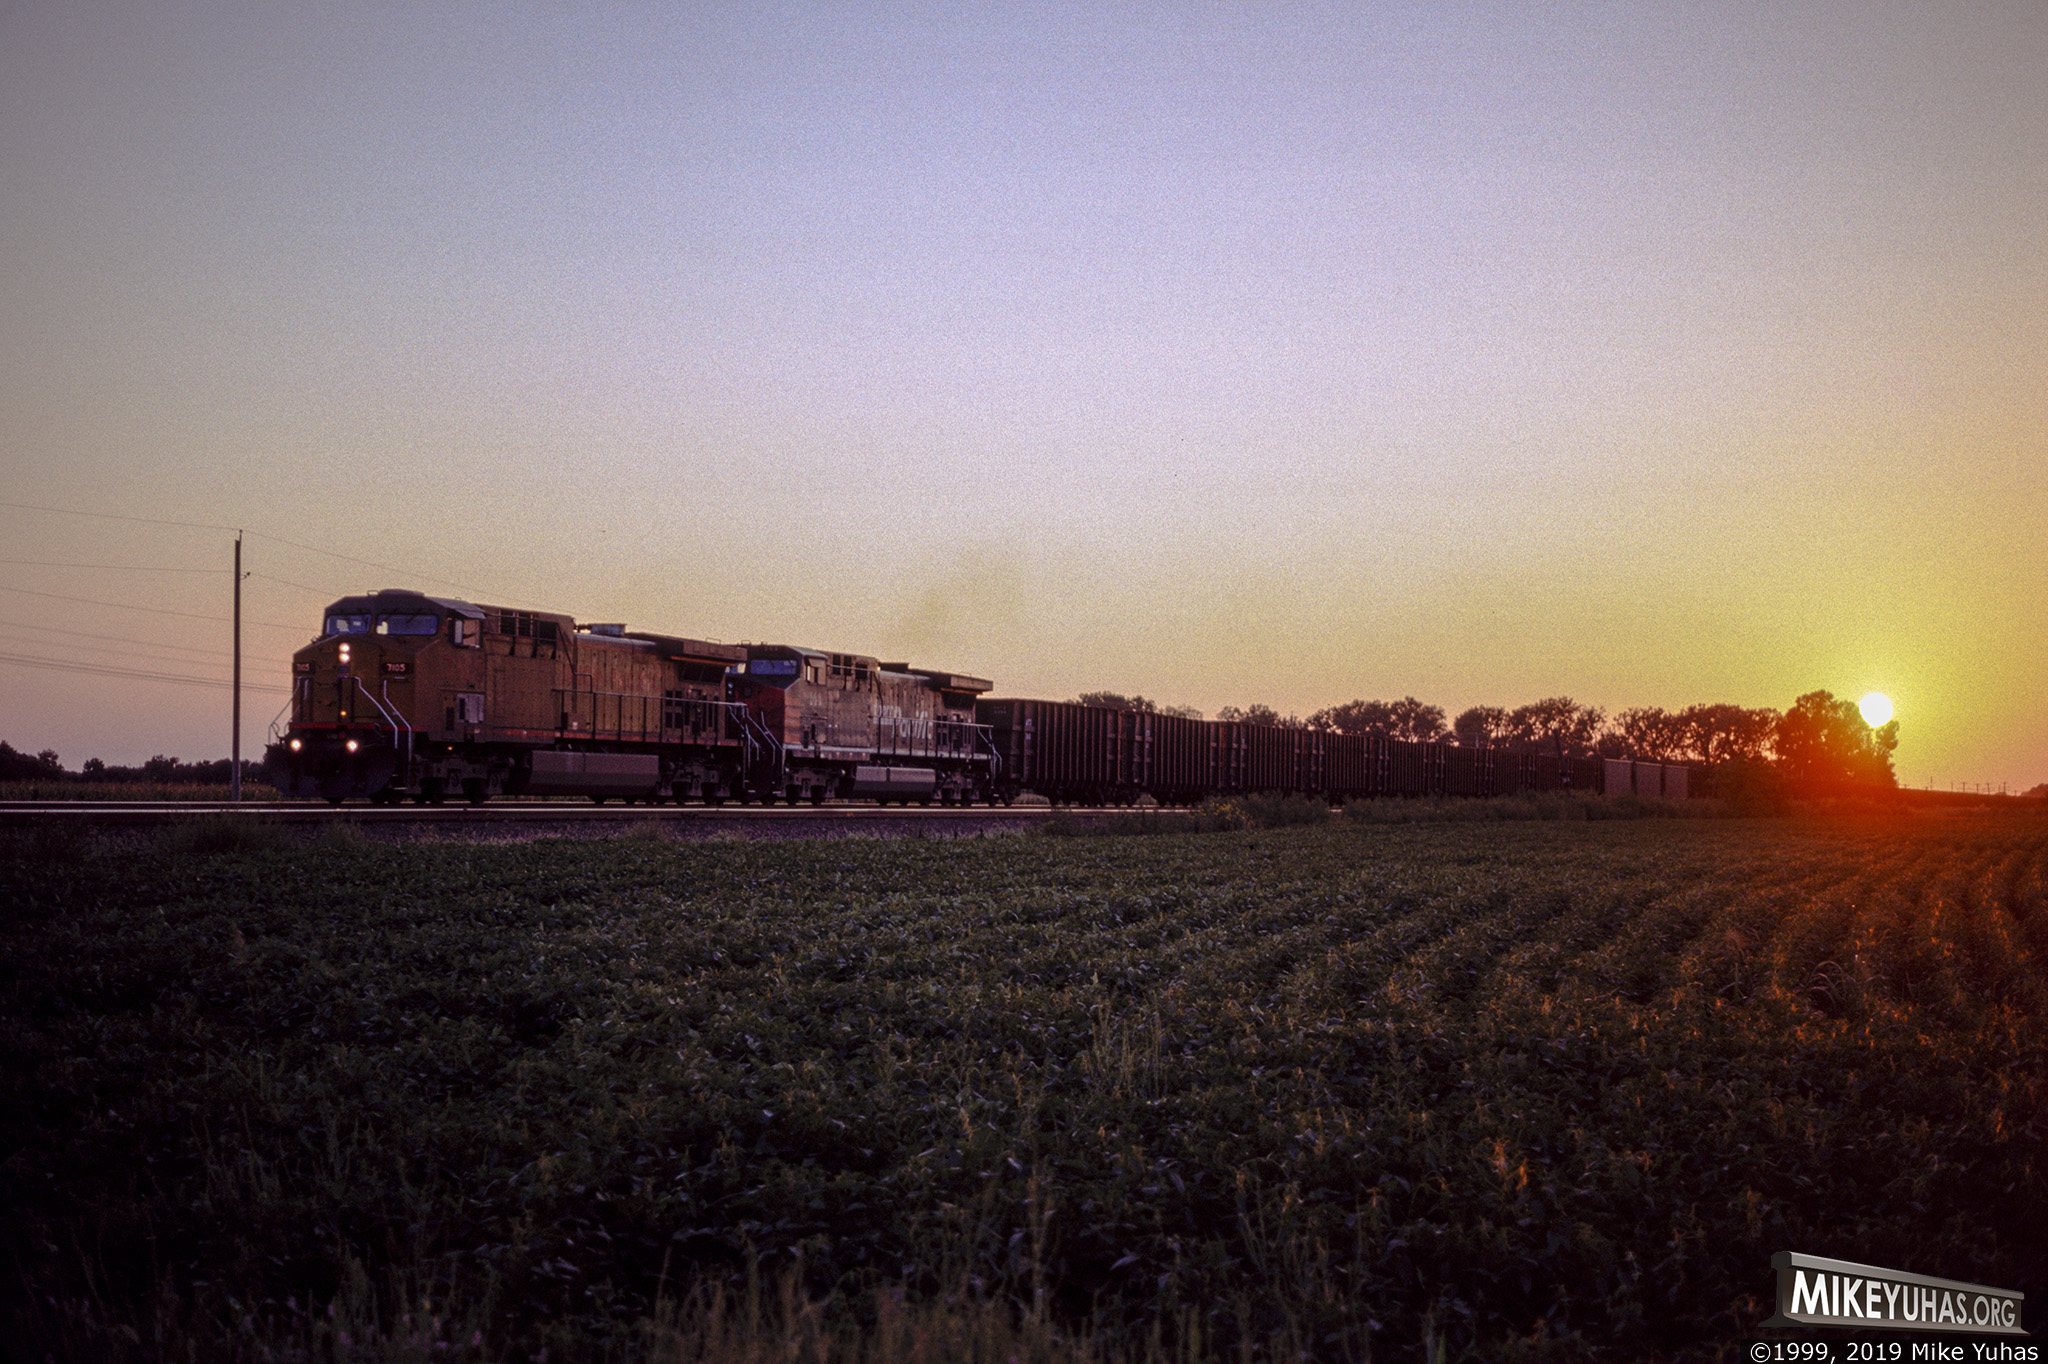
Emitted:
pixel 1650 354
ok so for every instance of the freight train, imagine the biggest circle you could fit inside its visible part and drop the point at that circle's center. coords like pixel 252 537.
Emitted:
pixel 409 696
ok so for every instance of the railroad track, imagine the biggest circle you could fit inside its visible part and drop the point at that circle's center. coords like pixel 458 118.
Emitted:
pixel 782 818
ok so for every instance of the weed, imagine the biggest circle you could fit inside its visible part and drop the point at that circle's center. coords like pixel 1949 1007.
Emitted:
pixel 47 840
pixel 1513 1087
pixel 341 836
pixel 216 834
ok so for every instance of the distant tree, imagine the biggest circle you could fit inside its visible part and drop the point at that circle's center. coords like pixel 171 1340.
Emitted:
pixel 93 768
pixel 2041 790
pixel 1407 718
pixel 1822 743
pixel 160 768
pixel 1719 734
pixel 1480 726
pixel 1651 734
pixel 1556 724
pixel 1259 715
pixel 1114 700
pixel 18 766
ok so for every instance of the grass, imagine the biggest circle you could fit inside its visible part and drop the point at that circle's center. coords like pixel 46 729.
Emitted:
pixel 132 790
pixel 1515 1089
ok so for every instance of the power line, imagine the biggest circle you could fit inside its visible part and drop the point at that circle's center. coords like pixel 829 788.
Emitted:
pixel 115 639
pixel 118 568
pixel 181 658
pixel 134 674
pixel 253 534
pixel 367 563
pixel 110 516
pixel 152 610
pixel 144 652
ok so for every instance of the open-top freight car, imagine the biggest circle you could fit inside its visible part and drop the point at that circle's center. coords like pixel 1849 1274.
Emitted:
pixel 1098 755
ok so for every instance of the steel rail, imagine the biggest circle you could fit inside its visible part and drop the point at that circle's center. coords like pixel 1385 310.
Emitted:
pixel 513 812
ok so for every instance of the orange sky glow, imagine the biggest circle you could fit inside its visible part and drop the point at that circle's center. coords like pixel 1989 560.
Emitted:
pixel 1481 353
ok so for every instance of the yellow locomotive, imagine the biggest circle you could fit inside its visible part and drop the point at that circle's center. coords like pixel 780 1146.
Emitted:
pixel 407 695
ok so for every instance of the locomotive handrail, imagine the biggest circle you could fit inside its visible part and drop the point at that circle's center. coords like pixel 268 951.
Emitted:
pixel 276 735
pixel 758 736
pixel 987 735
pixel 392 716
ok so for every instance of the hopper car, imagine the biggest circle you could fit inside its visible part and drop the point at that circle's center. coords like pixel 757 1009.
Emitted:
pixel 409 696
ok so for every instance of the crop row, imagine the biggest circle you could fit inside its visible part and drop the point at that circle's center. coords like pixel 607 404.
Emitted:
pixel 1540 1090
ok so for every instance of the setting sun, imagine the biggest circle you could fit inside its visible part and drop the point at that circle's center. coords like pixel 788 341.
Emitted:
pixel 1877 709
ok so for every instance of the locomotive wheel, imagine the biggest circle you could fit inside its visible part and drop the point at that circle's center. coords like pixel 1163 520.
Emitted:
pixel 475 790
pixel 817 795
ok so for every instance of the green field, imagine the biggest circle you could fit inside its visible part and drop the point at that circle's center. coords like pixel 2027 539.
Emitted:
pixel 1543 1090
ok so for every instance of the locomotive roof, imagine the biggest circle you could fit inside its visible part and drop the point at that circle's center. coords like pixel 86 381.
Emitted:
pixel 690 650
pixel 399 598
pixel 937 677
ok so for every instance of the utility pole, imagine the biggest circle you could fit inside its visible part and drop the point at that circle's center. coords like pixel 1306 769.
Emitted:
pixel 235 747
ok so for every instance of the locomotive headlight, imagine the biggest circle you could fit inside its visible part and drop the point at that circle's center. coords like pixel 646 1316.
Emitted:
pixel 352 745
pixel 298 744
pixel 344 653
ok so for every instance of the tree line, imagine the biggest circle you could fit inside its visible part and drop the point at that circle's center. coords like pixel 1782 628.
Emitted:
pixel 1821 739
pixel 16 765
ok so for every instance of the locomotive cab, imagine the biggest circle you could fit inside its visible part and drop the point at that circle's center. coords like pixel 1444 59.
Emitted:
pixel 390 676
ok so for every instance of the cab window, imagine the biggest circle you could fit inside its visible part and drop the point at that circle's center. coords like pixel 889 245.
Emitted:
pixel 341 624
pixel 406 623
